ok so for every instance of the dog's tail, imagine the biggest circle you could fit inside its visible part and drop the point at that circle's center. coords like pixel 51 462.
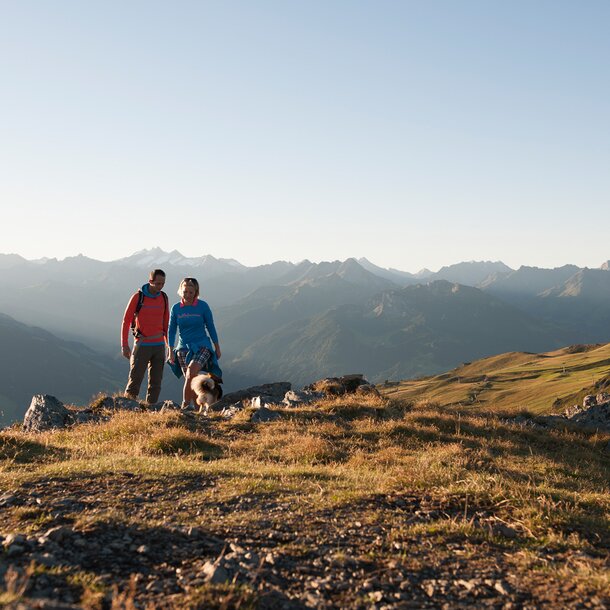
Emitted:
pixel 202 383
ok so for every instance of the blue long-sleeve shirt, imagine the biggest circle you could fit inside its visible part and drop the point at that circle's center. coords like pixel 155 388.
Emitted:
pixel 191 323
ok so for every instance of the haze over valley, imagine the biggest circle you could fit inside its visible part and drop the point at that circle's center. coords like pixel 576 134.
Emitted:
pixel 289 321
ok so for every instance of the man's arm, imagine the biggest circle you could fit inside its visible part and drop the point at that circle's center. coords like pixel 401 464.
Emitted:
pixel 130 312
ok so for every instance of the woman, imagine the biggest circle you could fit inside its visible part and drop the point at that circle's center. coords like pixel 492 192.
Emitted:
pixel 191 317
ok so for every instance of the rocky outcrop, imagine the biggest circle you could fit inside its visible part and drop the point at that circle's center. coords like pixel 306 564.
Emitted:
pixel 47 412
pixel 269 392
pixel 594 413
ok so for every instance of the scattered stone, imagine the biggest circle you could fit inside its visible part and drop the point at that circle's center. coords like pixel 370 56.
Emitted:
pixel 602 397
pixel 231 411
pixel 214 573
pixel 589 401
pixel 168 405
pixel 46 413
pixel 59 533
pixel 502 529
pixel 14 538
pixel 263 414
pixel 8 499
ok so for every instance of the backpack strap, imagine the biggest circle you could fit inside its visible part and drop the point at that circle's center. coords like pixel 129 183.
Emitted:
pixel 136 333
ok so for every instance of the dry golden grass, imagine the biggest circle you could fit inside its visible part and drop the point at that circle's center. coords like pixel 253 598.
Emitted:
pixel 539 383
pixel 361 446
pixel 551 486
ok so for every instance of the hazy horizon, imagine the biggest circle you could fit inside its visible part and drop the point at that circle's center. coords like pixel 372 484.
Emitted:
pixel 413 134
pixel 310 259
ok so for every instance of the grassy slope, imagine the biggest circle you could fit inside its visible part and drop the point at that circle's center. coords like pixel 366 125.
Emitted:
pixel 539 383
pixel 353 503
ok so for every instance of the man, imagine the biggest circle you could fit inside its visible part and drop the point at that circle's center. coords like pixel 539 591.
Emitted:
pixel 147 315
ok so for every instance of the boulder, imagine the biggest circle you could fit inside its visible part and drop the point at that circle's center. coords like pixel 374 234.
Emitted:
pixel 337 386
pixel 304 397
pixel 46 413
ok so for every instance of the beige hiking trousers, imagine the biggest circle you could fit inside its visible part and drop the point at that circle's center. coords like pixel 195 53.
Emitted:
pixel 143 357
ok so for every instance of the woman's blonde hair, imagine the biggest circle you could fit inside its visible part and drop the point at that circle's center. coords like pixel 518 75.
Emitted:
pixel 189 281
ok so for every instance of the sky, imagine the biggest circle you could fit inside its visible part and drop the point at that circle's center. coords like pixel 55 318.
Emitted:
pixel 415 134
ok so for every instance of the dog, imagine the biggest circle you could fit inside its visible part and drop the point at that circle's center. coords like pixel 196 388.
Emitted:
pixel 208 390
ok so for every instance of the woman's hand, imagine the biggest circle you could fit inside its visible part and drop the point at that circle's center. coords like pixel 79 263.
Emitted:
pixel 218 352
pixel 170 355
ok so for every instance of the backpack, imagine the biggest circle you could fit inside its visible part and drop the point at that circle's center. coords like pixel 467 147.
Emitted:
pixel 134 331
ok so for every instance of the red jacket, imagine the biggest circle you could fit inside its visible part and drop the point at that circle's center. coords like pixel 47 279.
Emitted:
pixel 151 322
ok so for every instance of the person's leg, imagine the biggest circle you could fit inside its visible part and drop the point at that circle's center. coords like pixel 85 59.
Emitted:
pixel 191 371
pixel 155 373
pixel 137 368
pixel 181 357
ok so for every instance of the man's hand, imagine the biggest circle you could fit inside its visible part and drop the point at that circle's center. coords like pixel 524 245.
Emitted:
pixel 170 355
pixel 126 352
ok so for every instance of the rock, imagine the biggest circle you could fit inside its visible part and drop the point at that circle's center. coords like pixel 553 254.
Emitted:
pixel 602 397
pixel 589 401
pixel 122 403
pixel 214 573
pixel 366 389
pixel 59 533
pixel 263 414
pixel 271 393
pixel 105 403
pixel 14 538
pixel 595 416
pixel 12 550
pixel 168 405
pixel 46 559
pixel 501 529
pixel 330 386
pixel 8 499
pixel 231 411
pixel 337 386
pixel 258 402
pixel 46 413
pixel 83 416
pixel 304 397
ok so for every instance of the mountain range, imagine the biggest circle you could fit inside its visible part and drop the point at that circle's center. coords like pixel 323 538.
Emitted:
pixel 300 321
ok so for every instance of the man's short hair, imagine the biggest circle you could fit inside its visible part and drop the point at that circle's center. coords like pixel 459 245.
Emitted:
pixel 154 273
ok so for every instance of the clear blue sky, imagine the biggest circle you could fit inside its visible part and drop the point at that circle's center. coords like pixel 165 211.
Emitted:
pixel 413 133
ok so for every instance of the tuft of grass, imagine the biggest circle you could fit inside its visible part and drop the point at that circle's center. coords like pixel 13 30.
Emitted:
pixel 182 442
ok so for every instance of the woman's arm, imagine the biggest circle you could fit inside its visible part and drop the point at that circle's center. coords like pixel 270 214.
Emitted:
pixel 171 334
pixel 208 320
